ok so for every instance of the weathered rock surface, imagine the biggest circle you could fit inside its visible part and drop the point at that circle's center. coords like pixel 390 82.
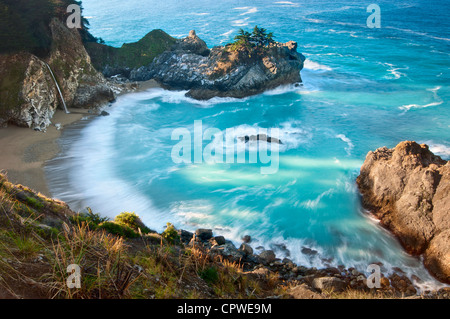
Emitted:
pixel 328 284
pixel 221 72
pixel 267 256
pixel 81 84
pixel 28 93
pixel 408 189
pixel 303 292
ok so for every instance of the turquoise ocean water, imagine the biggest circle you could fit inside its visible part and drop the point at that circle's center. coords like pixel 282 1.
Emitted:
pixel 362 89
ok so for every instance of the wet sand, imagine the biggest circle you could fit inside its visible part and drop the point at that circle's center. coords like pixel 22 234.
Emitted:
pixel 23 151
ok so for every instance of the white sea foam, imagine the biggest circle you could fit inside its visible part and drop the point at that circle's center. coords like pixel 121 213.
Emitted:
pixel 418 106
pixel 311 65
pixel 423 34
pixel 91 179
pixel 314 203
pixel 250 11
pixel 345 139
pixel 439 149
pixel 287 3
pixel 227 34
pixel 241 22
pixel 435 90
pixel 438 101
pixel 282 89
pixel 394 70
pixel 177 97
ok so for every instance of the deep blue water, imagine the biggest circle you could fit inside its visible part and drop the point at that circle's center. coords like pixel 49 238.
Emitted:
pixel 362 89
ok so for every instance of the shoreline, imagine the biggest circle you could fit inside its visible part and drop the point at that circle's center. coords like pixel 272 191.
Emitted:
pixel 26 151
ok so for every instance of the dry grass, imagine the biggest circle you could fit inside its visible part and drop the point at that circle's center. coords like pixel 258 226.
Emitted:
pixel 101 257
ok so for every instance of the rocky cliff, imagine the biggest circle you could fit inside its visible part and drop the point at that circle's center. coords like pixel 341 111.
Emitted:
pixel 28 93
pixel 223 72
pixel 408 189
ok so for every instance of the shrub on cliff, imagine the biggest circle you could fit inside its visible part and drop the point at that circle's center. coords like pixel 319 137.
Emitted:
pixel 132 221
pixel 170 234
pixel 90 219
pixel 117 229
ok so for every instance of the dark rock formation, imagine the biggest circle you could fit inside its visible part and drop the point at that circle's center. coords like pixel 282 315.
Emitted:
pixel 267 256
pixel 204 234
pixel 222 72
pixel 260 137
pixel 408 189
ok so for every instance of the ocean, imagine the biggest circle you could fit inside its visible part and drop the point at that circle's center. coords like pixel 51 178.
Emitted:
pixel 363 88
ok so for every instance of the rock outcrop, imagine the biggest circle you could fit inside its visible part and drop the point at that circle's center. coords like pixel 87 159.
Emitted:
pixel 221 71
pixel 28 92
pixel 28 95
pixel 81 84
pixel 408 189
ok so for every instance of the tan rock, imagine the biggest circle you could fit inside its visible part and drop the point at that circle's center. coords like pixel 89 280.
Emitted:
pixel 303 292
pixel 408 189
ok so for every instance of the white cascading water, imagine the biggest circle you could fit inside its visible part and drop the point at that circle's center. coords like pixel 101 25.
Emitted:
pixel 59 90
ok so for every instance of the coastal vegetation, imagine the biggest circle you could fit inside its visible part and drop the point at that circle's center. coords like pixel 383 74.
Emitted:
pixel 253 42
pixel 40 237
pixel 24 25
pixel 111 60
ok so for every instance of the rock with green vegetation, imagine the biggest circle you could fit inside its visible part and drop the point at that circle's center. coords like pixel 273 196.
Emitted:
pixel 235 70
pixel 131 56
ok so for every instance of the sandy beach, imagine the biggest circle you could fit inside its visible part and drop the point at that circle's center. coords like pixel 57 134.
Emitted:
pixel 23 151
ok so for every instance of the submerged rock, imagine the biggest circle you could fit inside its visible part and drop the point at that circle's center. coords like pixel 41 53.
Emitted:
pixel 260 137
pixel 408 189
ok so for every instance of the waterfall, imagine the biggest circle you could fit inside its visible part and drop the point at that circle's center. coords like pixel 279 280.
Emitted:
pixel 59 90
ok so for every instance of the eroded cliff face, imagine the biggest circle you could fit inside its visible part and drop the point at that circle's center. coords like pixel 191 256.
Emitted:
pixel 81 84
pixel 28 93
pixel 190 65
pixel 408 189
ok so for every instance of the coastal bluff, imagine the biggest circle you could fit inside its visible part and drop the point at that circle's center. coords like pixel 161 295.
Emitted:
pixel 407 188
pixel 221 71
pixel 29 95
